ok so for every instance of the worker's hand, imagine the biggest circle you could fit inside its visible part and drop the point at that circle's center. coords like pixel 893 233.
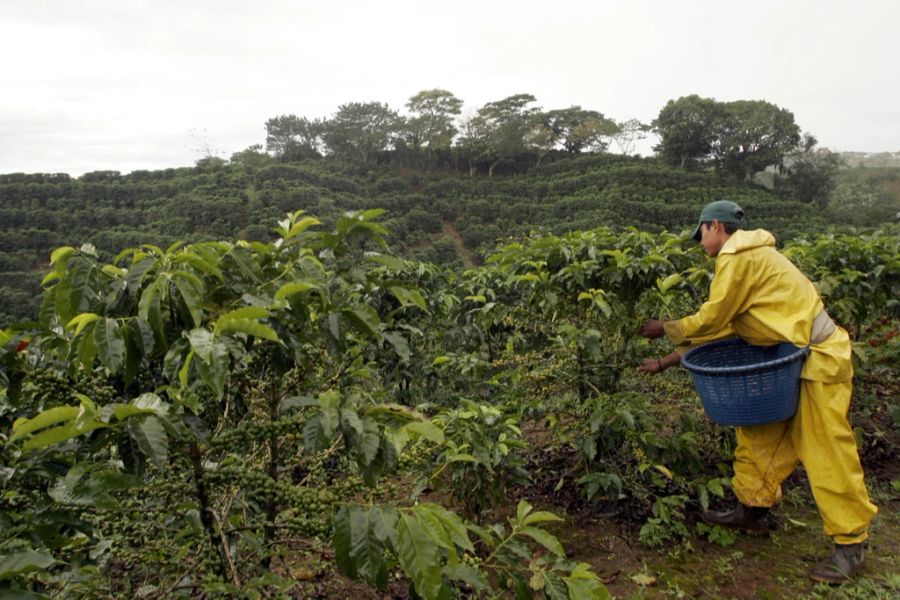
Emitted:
pixel 651 366
pixel 652 329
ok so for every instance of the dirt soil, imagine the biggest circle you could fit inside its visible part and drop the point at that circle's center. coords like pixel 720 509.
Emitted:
pixel 775 566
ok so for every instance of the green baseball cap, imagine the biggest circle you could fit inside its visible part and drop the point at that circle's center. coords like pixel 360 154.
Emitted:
pixel 723 211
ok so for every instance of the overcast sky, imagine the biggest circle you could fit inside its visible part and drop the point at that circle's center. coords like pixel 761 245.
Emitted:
pixel 128 84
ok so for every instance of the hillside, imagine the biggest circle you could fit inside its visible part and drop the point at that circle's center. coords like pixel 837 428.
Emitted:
pixel 433 216
pixel 231 419
pixel 866 195
pixel 871 159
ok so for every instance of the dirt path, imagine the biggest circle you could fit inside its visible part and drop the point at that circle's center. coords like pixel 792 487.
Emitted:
pixel 770 567
pixel 464 253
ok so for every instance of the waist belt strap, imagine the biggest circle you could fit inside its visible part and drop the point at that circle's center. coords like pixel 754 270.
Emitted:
pixel 822 328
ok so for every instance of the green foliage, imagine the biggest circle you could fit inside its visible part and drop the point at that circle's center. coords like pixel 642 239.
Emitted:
pixel 23 562
pixel 574 128
pixel 432 124
pixel 208 408
pixel 810 173
pixel 290 137
pixel 633 456
pixel 437 214
pixel 434 549
pixel 498 130
pixel 480 458
pixel 687 130
pixel 192 323
pixel 739 138
pixel 858 276
pixel 717 534
pixel 585 294
pixel 755 134
pixel 866 196
pixel 667 522
pixel 360 129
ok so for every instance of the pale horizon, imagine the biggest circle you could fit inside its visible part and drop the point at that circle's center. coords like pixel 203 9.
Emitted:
pixel 103 85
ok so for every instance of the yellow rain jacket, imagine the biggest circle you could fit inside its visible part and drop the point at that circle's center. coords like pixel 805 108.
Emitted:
pixel 760 296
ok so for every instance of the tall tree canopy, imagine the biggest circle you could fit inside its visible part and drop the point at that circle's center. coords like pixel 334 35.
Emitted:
pixel 361 129
pixel 740 138
pixel 628 133
pixel 499 129
pixel 290 137
pixel 687 130
pixel 810 172
pixel 576 129
pixel 754 134
pixel 432 124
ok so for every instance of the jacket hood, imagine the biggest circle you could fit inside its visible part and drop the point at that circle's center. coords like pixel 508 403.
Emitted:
pixel 742 240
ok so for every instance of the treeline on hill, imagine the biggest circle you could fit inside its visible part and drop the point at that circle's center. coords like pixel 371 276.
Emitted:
pixel 546 170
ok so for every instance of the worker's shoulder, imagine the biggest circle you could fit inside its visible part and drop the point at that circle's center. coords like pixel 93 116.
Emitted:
pixel 752 259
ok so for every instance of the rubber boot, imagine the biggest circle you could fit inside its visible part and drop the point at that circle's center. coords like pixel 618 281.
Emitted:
pixel 749 519
pixel 846 561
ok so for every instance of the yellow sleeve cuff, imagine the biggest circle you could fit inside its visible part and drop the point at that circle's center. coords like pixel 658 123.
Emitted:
pixel 674 332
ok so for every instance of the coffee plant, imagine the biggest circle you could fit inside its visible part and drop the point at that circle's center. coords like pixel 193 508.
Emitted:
pixel 184 421
pixel 480 458
pixel 434 548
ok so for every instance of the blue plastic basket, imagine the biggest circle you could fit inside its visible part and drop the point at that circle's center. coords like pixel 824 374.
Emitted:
pixel 741 384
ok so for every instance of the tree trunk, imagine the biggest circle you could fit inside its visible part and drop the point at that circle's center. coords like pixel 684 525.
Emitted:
pixel 206 517
pixel 272 503
pixel 582 388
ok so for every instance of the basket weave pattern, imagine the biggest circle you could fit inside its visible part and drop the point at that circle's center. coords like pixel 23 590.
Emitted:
pixel 740 384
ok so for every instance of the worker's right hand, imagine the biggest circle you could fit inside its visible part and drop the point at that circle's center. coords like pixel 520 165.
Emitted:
pixel 652 328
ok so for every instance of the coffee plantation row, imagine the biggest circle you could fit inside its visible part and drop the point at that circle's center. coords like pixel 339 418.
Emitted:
pixel 426 209
pixel 220 419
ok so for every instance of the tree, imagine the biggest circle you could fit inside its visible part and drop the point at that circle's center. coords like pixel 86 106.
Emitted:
pixel 499 129
pixel 576 129
pixel 688 130
pixel 361 129
pixel 628 133
pixel 472 143
pixel 432 124
pixel 541 138
pixel 809 172
pixel 209 164
pixel 290 137
pixel 740 138
pixel 753 135
pixel 252 157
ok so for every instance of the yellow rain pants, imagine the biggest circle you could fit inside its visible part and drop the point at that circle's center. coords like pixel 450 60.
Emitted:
pixel 760 296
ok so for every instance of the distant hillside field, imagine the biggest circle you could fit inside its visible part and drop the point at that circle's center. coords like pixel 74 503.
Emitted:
pixel 432 216
pixel 866 195
pixel 871 159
